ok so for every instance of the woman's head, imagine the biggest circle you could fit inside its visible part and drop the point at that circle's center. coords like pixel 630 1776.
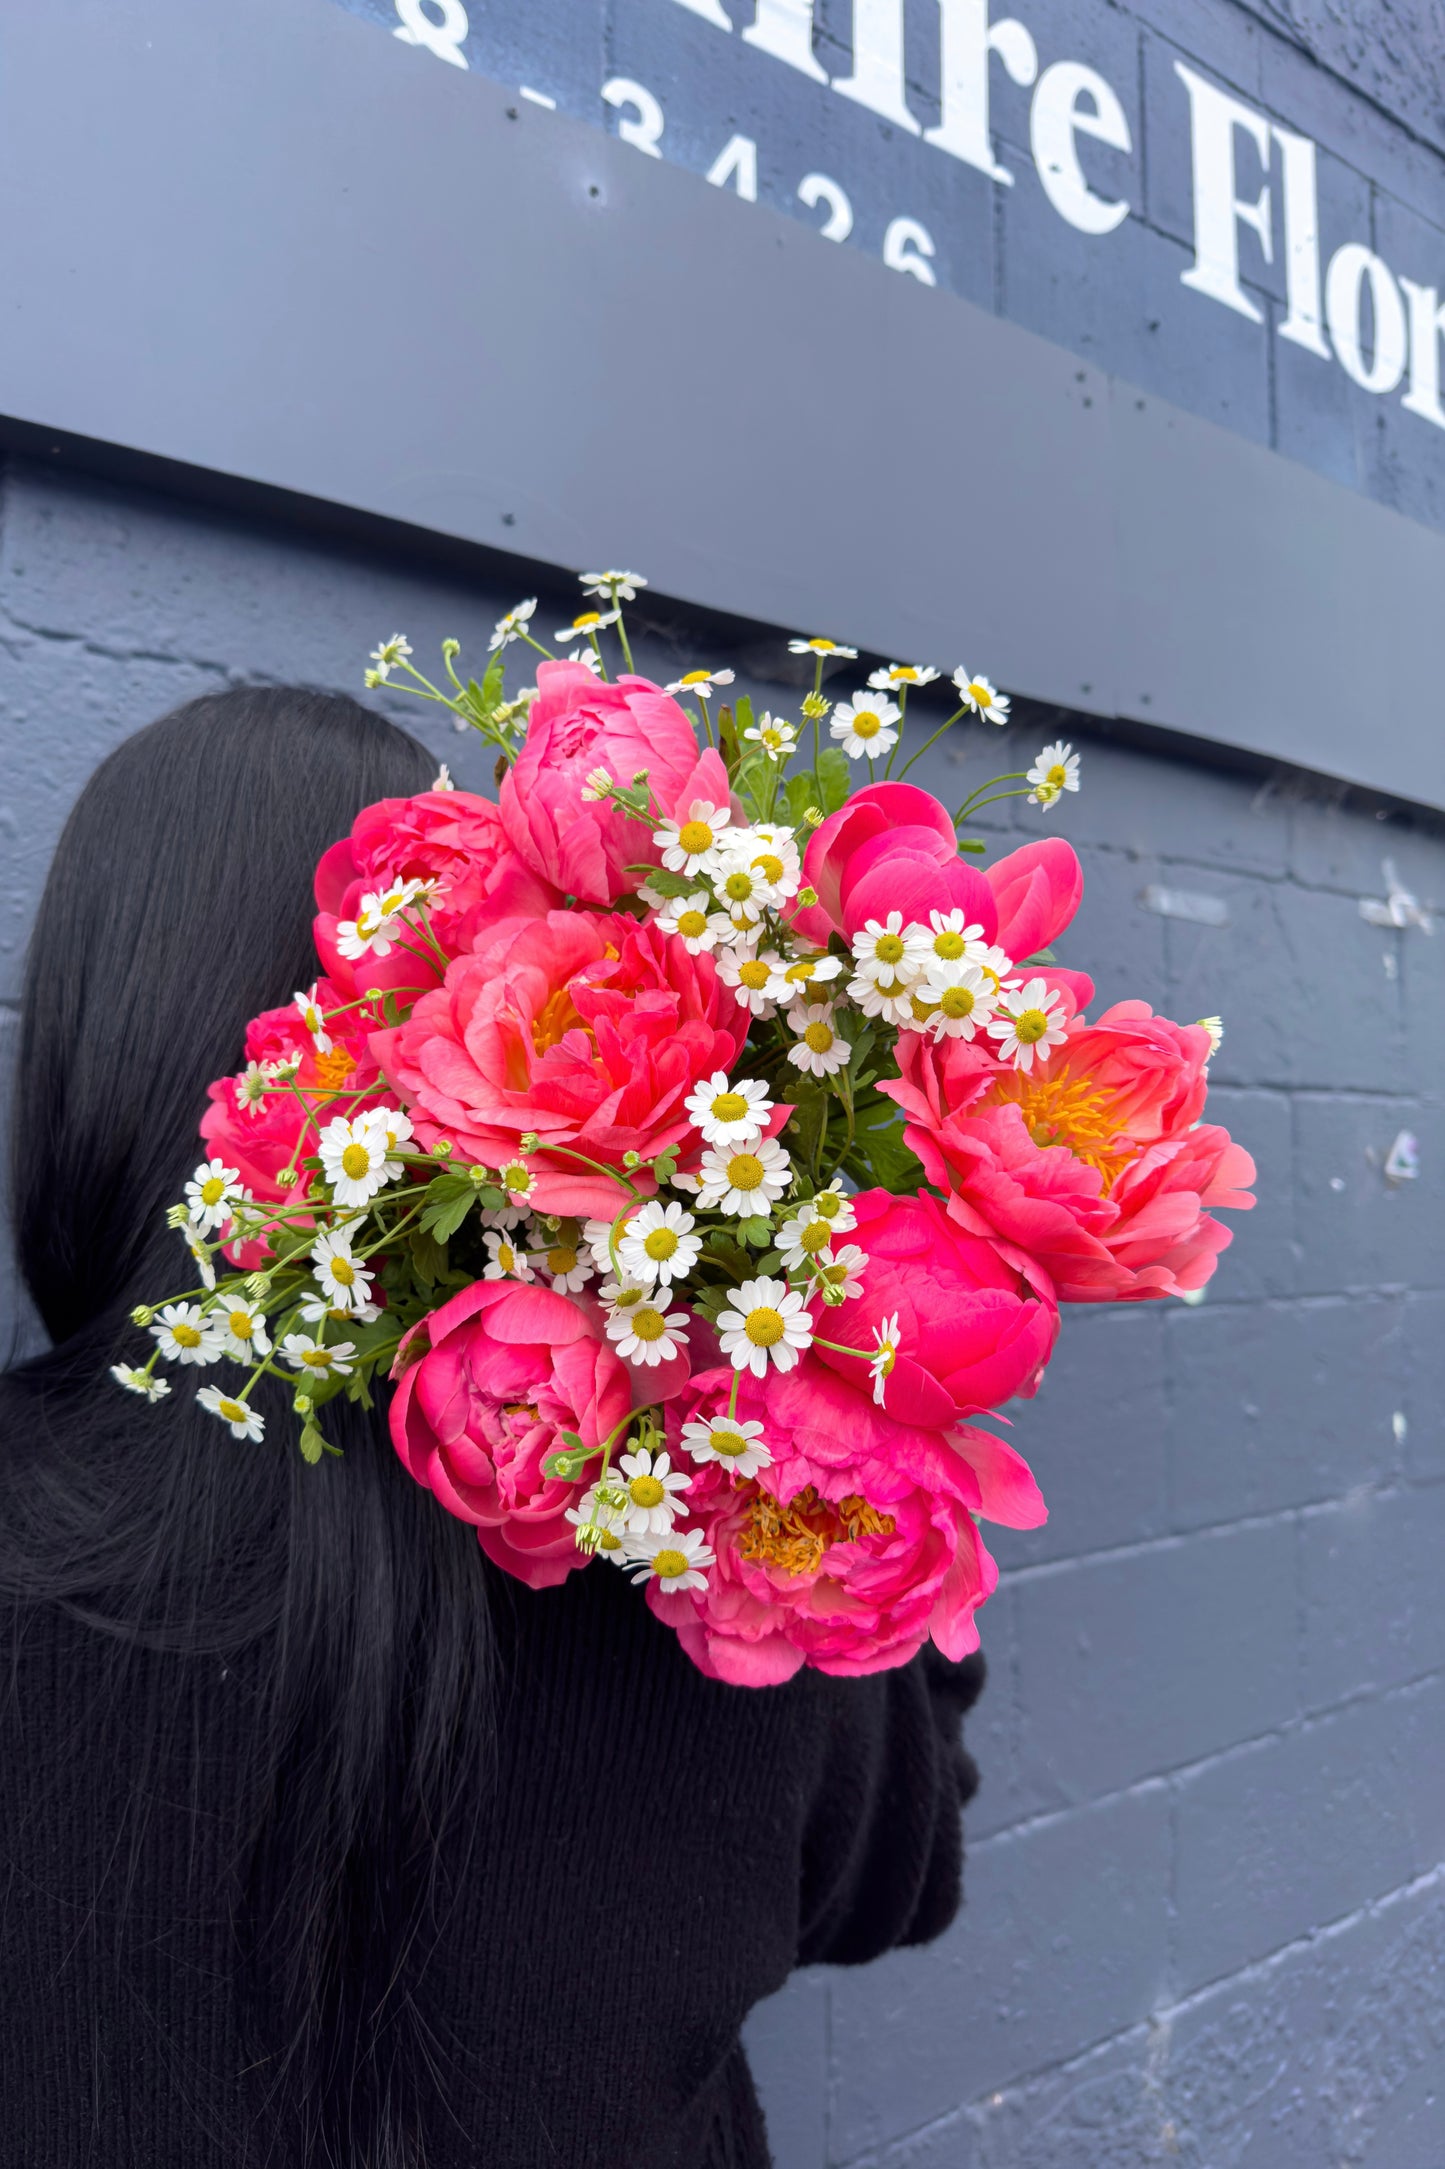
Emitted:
pixel 178 905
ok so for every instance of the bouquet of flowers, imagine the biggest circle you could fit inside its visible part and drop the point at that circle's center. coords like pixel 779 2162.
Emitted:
pixel 702 1140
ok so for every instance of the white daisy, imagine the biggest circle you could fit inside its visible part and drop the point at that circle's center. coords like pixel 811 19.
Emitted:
pixel 567 1267
pixel 588 659
pixel 836 1208
pixel 700 683
pixel 598 785
pixel 744 1179
pixel 211 1193
pixel 596 1237
pixel 442 780
pixel 806 973
pixel 641 1333
pixel 653 1487
pixel 505 1217
pixel 251 1087
pixel 619 1299
pixel 950 937
pixel 354 1159
pixel 838 1273
pixel 242 1327
pixel 1029 1022
pixel 757 981
pixel 585 624
pixel 134 1381
pixel 382 917
pixel 729 1441
pixel 692 920
pixel 963 998
pixel 675 1561
pixel 774 853
pixel 240 1419
pixel 864 725
pixel 517 1179
pixel 513 625
pixel 618 586
pixel 805 1237
pixel 1055 771
pixel 389 653
pixel 978 694
pixel 743 890
pixel 305 1354
pixel 822 647
pixel 819 1051
pixel 892 999
pixel 505 1260
pixel 882 1362
pixel 345 1280
pixel 313 1019
pixel 659 1244
pixel 887 949
pixel 779 740
pixel 1214 1026
pixel 907 675
pixel 729 1114
pixel 766 1321
pixel 689 846
pixel 184 1334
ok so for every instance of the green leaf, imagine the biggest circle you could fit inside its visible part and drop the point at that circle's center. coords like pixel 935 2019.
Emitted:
pixel 757 1232
pixel 1040 956
pixel 449 1198
pixel 744 713
pixel 971 843
pixel 667 883
pixel 800 793
pixel 834 778
pixel 428 1257
pixel 878 1154
pixel 312 1444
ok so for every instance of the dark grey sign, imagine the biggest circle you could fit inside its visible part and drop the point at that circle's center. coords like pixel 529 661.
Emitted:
pixel 271 243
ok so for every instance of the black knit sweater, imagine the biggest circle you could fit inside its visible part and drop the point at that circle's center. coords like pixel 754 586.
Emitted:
pixel 658 1853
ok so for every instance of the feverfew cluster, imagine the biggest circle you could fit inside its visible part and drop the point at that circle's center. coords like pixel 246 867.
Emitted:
pixel 695 1141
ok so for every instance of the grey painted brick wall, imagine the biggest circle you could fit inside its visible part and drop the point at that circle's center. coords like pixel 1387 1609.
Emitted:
pixel 1206 1899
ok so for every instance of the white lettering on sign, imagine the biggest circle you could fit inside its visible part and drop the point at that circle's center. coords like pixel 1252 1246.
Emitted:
pixel 1255 183
pixel 1352 268
pixel 1055 118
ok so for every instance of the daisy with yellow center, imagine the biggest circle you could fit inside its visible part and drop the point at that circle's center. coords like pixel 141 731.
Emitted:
pixel 734 1444
pixel 963 998
pixel 305 1354
pixel 757 980
pixel 611 586
pixel 727 1113
pixel 652 1488
pixel 700 683
pixel 978 694
pixel 805 1237
pixel 824 648
pixel 658 1245
pixel 506 1260
pixel 689 843
pixel 586 625
pixel 743 1179
pixel 241 1420
pixel 1029 1024
pixel 675 1561
pixel 766 1322
pixel 1055 771
pixel 692 920
pixel 598 1523
pixel 313 1019
pixel 886 949
pixel 211 1193
pixel 838 1274
pixel 881 1364
pixel 184 1334
pixel 242 1325
pixel 891 999
pixel 896 677
pixel 344 1280
pixel 355 1159
pixel 513 626
pixel 567 1267
pixel 864 725
pixel 778 740
pixel 143 1382
pixel 645 1334
pixel 819 1052
pixel 390 652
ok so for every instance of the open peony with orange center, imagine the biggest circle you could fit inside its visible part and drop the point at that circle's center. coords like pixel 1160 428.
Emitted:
pixel 585 1029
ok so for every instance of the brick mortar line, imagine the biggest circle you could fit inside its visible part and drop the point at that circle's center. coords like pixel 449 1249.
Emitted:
pixel 1166 2014
pixel 1177 1775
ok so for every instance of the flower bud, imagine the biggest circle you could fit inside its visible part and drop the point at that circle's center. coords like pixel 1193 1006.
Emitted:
pixel 142 1314
pixel 814 817
pixel 807 898
pixel 303 1404
pixel 374 994
pixel 530 1141
pixel 287 1179
pixel 176 1216
pixel 451 648
pixel 632 1159
pixel 640 777
pixel 442 1149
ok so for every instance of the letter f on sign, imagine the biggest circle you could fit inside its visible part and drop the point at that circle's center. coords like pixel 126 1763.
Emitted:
pixel 1219 212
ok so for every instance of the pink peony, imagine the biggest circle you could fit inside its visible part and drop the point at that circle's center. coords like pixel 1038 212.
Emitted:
pixel 892 847
pixel 1089 1171
pixel 855 1546
pixel 970 1335
pixel 490 1380
pixel 1038 889
pixel 587 1029
pixel 577 724
pixel 453 837
pixel 262 1137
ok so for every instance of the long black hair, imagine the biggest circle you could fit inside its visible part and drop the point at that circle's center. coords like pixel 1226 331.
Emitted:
pixel 178 905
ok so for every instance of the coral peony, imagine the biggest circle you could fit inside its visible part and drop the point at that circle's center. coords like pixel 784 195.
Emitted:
pixel 577 724
pixel 970 1336
pixel 452 837
pixel 261 1136
pixel 587 1029
pixel 855 1546
pixel 1092 1171
pixel 892 847
pixel 489 1381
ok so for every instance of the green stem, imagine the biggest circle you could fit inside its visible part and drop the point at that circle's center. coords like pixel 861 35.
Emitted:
pixel 622 634
pixel 931 741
